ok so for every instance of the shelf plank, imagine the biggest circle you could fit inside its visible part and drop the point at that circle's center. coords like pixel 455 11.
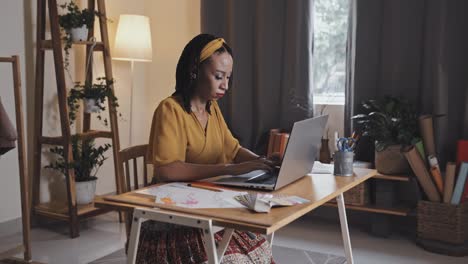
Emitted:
pixel 397 210
pixel 94 134
pixel 59 140
pixel 7 59
pixel 47 44
pixel 392 177
pixel 52 140
pixel 60 211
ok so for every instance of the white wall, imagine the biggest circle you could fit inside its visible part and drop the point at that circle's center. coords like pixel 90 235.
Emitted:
pixel 12 43
pixel 174 23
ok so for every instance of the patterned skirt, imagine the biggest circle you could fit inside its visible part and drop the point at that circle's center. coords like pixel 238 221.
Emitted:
pixel 167 243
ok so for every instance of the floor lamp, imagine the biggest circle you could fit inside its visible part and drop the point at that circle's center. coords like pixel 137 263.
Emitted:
pixel 133 43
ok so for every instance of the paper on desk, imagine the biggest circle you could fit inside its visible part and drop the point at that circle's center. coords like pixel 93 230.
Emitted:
pixel 322 168
pixel 179 194
pixel 262 202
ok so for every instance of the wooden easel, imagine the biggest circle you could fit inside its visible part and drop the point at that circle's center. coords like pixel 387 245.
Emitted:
pixel 71 213
pixel 23 171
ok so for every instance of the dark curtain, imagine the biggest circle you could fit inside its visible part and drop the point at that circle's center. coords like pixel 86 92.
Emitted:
pixel 418 50
pixel 272 45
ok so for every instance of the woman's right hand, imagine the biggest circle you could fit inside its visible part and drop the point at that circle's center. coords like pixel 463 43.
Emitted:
pixel 248 166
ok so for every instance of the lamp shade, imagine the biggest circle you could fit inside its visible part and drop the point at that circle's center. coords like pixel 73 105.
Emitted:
pixel 133 39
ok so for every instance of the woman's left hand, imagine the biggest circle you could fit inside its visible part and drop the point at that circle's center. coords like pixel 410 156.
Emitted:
pixel 272 161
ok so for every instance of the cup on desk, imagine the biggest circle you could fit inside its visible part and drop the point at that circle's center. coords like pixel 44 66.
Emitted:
pixel 343 163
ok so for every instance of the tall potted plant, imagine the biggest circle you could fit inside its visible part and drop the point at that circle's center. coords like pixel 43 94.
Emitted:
pixel 392 123
pixel 87 159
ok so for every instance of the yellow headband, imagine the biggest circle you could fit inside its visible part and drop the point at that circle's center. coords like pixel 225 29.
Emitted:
pixel 210 48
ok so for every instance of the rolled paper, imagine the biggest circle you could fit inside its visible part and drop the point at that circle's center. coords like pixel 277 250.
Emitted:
pixel 426 128
pixel 433 162
pixel 462 151
pixel 449 180
pixel 437 177
pixel 423 176
pixel 420 147
pixel 435 172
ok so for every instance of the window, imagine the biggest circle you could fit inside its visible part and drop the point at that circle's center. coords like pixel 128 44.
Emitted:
pixel 329 57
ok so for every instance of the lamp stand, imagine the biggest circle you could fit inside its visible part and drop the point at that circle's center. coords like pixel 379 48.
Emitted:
pixel 132 62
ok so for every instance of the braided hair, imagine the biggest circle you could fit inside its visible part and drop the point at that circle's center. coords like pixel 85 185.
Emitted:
pixel 188 69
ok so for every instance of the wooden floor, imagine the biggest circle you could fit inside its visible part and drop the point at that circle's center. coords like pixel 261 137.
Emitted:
pixel 103 235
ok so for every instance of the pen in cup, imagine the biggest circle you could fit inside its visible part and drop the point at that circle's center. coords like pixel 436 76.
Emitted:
pixel 336 140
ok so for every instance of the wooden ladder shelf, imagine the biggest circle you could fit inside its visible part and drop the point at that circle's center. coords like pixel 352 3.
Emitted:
pixel 71 212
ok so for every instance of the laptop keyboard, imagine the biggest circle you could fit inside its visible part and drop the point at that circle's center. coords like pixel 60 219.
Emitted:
pixel 266 178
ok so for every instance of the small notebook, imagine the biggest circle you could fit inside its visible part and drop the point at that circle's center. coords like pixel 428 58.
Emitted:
pixel 262 202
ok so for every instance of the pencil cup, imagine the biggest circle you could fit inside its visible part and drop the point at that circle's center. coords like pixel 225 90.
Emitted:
pixel 343 163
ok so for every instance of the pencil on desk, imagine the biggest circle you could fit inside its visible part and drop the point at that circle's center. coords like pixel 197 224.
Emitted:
pixel 202 186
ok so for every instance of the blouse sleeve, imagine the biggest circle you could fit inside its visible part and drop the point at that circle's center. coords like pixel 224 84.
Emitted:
pixel 168 142
pixel 231 144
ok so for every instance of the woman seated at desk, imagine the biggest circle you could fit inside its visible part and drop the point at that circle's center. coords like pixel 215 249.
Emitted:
pixel 190 141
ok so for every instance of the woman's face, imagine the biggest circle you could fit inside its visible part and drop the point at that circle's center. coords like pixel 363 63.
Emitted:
pixel 215 73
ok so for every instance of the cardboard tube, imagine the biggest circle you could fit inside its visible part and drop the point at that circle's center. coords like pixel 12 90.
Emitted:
pixel 437 177
pixel 420 147
pixel 426 128
pixel 449 180
pixel 424 177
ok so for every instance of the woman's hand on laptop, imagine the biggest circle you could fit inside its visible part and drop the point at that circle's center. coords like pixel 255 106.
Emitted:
pixel 274 159
pixel 248 166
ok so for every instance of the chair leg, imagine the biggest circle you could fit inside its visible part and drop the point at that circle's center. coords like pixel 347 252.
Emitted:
pixel 128 227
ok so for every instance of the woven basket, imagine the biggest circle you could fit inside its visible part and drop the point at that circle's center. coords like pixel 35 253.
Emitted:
pixel 443 222
pixel 358 195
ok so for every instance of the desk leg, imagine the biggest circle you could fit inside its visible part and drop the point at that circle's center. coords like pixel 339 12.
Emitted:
pixel 224 242
pixel 134 239
pixel 269 238
pixel 344 229
pixel 210 246
pixel 214 255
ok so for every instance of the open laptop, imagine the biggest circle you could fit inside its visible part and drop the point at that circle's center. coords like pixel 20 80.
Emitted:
pixel 299 156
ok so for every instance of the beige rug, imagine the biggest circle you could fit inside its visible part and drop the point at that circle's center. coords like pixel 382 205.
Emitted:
pixel 280 254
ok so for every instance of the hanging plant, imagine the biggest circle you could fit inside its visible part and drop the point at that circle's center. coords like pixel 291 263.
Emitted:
pixel 97 93
pixel 75 22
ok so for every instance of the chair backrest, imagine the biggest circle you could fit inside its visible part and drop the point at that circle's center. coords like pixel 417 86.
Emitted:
pixel 134 153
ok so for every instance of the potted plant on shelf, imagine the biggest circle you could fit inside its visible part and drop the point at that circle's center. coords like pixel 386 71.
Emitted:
pixel 75 23
pixel 393 124
pixel 93 97
pixel 87 159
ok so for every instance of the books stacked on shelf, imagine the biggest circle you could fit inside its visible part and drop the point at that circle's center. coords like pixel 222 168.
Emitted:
pixel 277 142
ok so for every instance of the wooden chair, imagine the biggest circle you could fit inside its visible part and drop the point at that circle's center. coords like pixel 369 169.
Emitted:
pixel 134 153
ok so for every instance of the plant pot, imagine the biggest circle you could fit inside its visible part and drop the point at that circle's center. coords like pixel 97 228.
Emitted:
pixel 85 191
pixel 79 34
pixel 391 161
pixel 91 105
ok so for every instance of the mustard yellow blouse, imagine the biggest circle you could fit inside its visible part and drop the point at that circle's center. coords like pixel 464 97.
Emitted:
pixel 178 136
